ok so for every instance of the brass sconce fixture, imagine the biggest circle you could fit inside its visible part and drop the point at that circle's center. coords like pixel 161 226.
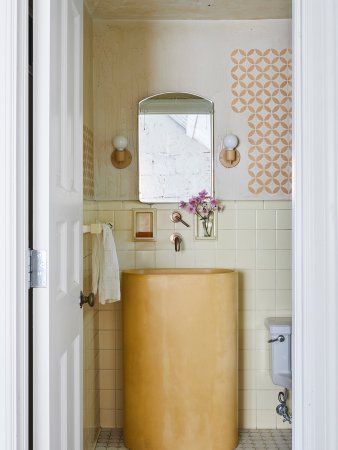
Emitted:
pixel 229 156
pixel 121 156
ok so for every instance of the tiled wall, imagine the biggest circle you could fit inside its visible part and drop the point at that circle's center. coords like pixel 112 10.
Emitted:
pixel 91 417
pixel 255 238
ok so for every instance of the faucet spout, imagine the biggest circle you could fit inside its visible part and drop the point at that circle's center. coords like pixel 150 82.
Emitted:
pixel 177 244
pixel 176 239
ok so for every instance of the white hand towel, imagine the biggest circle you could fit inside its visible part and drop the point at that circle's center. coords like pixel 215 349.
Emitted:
pixel 105 267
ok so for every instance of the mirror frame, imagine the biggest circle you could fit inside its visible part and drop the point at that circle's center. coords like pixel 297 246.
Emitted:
pixel 212 188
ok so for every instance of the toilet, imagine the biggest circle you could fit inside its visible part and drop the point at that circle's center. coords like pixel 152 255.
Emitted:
pixel 280 329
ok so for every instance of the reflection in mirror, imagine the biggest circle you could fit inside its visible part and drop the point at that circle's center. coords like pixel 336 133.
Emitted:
pixel 175 147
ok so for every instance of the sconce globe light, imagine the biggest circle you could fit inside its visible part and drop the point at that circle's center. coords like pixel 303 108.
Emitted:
pixel 121 156
pixel 230 141
pixel 229 156
pixel 120 143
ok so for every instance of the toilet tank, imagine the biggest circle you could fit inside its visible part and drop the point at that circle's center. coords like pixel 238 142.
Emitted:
pixel 281 368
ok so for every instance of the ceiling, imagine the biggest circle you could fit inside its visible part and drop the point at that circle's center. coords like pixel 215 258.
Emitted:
pixel 190 9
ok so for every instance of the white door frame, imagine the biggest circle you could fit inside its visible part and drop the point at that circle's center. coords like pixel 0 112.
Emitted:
pixel 315 239
pixel 14 224
pixel 315 243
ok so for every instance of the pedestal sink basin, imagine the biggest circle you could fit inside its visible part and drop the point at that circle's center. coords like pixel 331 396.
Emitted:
pixel 180 359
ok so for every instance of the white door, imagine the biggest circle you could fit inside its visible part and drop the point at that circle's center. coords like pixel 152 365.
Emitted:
pixel 57 227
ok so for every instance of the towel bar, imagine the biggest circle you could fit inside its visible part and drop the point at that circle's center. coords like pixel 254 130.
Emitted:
pixel 95 228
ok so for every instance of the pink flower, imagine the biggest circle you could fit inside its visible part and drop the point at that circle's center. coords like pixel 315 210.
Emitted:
pixel 203 194
pixel 193 201
pixel 191 209
pixel 213 202
pixel 201 205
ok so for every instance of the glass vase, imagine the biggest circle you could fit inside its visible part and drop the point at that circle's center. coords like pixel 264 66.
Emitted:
pixel 206 227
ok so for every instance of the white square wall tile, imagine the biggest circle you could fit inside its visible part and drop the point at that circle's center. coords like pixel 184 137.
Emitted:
pixel 265 220
pixel 250 204
pixel 225 258
pixel 246 279
pixel 265 299
pixel 126 259
pixel 265 259
pixel 266 419
pixel 266 239
pixel 283 299
pixel 284 219
pixel 265 279
pixel 247 419
pixel 247 299
pixel 246 259
pixel 145 260
pixel 247 339
pixel 229 204
pixel 263 380
pixel 277 204
pixel 283 259
pixel 246 320
pixel 123 240
pixel 246 220
pixel 247 399
pixel 164 259
pixel 205 258
pixel 261 339
pixel 283 279
pixel 284 240
pixel 247 359
pixel 226 239
pixel 267 399
pixel 199 244
pixel 227 220
pixel 163 240
pixel 247 379
pixel 246 239
pixel 185 259
pixel 262 359
pixel 109 205
pixel 145 246
pixel 123 220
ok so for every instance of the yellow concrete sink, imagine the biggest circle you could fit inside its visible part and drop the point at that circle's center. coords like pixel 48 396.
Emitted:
pixel 180 359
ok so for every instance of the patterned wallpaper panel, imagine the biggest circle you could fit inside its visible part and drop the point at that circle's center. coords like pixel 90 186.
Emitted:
pixel 88 164
pixel 262 87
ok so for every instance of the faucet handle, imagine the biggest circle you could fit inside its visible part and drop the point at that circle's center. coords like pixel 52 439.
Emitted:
pixel 176 216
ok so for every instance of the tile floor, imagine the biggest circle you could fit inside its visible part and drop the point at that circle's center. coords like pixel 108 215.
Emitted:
pixel 248 440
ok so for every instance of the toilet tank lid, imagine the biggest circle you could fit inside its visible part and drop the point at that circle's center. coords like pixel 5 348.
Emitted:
pixel 279 325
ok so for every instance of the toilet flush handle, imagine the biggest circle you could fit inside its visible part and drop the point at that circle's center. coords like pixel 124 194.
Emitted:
pixel 280 338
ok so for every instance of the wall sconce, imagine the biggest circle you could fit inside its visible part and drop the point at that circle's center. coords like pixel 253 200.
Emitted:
pixel 121 156
pixel 229 156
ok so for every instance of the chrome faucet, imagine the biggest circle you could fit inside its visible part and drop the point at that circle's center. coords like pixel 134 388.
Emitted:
pixel 176 239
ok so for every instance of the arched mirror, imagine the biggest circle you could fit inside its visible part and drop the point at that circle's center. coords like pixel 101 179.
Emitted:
pixel 175 143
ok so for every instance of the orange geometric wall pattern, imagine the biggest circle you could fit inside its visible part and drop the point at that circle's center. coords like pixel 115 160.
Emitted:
pixel 88 163
pixel 262 87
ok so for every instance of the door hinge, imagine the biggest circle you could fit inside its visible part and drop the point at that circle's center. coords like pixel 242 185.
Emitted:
pixel 37 269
